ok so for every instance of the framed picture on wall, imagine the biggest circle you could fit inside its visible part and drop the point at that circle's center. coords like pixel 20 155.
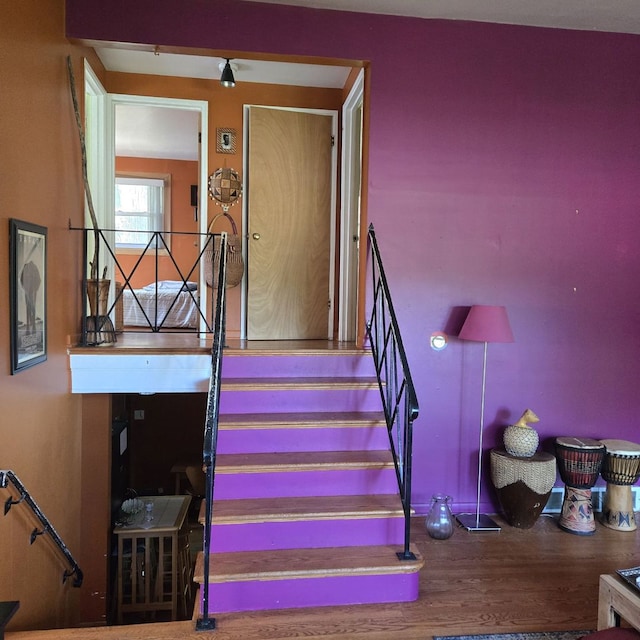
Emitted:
pixel 225 140
pixel 28 294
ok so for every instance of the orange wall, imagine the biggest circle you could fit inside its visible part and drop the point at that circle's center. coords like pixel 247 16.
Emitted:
pixel 41 423
pixel 184 248
pixel 225 111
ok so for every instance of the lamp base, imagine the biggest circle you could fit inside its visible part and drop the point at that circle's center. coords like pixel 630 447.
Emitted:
pixel 473 522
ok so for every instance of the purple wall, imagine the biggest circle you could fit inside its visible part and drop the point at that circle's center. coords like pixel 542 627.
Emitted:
pixel 504 169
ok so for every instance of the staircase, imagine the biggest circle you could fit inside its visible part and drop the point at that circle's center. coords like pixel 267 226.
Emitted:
pixel 306 509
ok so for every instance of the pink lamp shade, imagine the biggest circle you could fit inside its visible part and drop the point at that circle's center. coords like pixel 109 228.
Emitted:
pixel 486 323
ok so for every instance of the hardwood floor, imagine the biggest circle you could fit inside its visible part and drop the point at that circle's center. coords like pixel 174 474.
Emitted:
pixel 540 579
pixel 168 341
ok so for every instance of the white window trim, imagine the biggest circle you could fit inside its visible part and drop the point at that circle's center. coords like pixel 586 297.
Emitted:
pixel 166 179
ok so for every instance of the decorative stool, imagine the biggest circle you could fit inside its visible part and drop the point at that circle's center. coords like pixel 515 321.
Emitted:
pixel 523 485
pixel 579 462
pixel 621 469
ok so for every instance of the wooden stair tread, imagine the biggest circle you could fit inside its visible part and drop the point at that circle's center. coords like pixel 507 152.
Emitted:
pixel 251 510
pixel 289 348
pixel 301 420
pixel 305 563
pixel 305 383
pixel 302 461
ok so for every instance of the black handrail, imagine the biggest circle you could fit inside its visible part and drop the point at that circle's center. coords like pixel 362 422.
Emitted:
pixel 7 476
pixel 158 241
pixel 209 449
pixel 399 398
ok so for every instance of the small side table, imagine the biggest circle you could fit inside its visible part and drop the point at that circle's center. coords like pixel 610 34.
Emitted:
pixel 523 485
pixel 617 600
pixel 149 558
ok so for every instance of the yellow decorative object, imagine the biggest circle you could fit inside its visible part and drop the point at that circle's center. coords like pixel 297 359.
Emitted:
pixel 520 439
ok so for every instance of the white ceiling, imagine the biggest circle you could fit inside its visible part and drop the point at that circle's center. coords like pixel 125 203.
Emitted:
pixel 158 132
pixel 204 67
pixel 169 133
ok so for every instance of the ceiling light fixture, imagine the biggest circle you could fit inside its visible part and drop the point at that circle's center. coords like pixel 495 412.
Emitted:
pixel 227 79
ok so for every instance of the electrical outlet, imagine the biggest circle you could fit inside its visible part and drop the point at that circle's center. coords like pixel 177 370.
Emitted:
pixel 138 414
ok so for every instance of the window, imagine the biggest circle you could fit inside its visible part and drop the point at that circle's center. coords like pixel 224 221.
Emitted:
pixel 141 207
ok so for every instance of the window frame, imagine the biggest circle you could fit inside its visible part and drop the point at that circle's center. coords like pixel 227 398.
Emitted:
pixel 166 213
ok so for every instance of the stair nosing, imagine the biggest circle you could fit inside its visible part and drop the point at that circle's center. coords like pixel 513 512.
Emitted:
pixel 296 352
pixel 293 461
pixel 299 384
pixel 306 508
pixel 302 420
pixel 314 559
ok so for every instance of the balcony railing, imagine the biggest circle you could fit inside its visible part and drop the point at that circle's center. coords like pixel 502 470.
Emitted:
pixel 156 309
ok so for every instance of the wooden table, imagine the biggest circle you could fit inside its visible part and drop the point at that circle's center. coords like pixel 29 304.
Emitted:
pixel 148 557
pixel 617 600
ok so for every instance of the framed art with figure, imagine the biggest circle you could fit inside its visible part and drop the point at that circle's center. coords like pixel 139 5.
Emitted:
pixel 28 293
pixel 225 140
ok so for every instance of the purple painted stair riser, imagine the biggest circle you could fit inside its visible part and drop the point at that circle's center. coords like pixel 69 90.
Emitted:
pixel 312 592
pixel 308 439
pixel 312 534
pixel 305 483
pixel 288 401
pixel 298 366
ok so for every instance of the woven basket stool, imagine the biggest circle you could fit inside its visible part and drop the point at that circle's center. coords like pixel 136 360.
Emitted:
pixel 523 485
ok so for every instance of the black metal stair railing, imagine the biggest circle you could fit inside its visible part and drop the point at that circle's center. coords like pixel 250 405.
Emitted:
pixel 204 621
pixel 45 526
pixel 158 245
pixel 399 398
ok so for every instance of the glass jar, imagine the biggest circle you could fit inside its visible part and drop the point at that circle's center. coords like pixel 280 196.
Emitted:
pixel 439 522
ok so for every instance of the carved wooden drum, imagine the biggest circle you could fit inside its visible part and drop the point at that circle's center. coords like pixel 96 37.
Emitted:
pixel 621 470
pixel 579 464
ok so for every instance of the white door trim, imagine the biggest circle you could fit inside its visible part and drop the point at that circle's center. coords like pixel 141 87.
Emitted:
pixel 202 106
pixel 350 211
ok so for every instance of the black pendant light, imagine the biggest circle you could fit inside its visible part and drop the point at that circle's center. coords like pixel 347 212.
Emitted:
pixel 227 79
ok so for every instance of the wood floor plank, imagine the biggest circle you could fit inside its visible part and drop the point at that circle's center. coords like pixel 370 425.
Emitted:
pixel 512 581
pixel 175 342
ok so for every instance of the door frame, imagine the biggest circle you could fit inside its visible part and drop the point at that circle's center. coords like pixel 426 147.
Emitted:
pixel 352 151
pixel 245 208
pixel 202 107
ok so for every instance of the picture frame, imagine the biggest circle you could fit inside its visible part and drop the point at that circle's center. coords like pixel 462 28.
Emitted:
pixel 28 294
pixel 225 140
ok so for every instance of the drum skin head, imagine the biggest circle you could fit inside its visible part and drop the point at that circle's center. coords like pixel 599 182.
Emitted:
pixel 579 443
pixel 622 447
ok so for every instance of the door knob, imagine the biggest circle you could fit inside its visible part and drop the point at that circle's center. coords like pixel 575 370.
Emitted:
pixel 256 236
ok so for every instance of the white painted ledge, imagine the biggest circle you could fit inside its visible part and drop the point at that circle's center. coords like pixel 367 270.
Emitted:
pixel 139 373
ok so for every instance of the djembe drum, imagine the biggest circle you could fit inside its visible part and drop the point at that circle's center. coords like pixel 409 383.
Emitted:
pixel 579 463
pixel 621 470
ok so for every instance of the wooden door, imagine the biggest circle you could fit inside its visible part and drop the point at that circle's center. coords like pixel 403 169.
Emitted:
pixel 289 225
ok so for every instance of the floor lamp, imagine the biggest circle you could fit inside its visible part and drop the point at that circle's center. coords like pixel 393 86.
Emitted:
pixel 486 324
